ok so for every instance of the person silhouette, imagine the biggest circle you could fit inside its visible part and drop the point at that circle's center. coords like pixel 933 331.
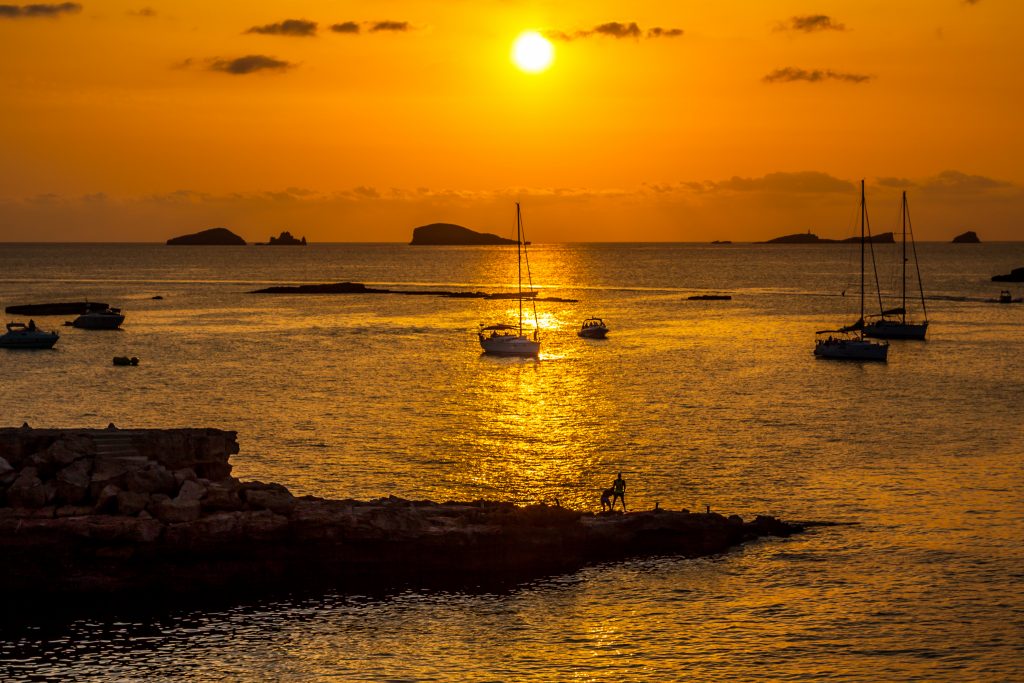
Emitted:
pixel 619 491
pixel 606 500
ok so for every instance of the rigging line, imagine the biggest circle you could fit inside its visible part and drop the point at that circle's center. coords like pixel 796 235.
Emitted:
pixel 917 265
pixel 874 266
pixel 529 279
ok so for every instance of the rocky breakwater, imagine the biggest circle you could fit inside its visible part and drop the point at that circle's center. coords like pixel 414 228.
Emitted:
pixel 155 514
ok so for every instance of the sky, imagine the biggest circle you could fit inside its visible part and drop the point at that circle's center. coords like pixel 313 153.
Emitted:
pixel 683 120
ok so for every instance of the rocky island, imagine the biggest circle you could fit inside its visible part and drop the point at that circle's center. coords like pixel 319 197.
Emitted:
pixel 122 516
pixel 285 239
pixel 810 238
pixel 448 234
pixel 1015 275
pixel 969 237
pixel 213 236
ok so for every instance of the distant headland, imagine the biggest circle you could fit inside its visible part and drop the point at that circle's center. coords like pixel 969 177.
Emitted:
pixel 447 234
pixel 969 237
pixel 1015 275
pixel 811 238
pixel 285 239
pixel 213 236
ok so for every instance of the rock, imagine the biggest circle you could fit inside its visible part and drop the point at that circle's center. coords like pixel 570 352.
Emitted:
pixel 273 497
pixel 213 236
pixel 286 239
pixel 177 511
pixel 73 482
pixel 1015 275
pixel 131 503
pixel 191 490
pixel 184 474
pixel 106 500
pixel 451 234
pixel 153 479
pixel 73 511
pixel 5 468
pixel 27 491
pixel 66 451
pixel 969 237
pixel 222 496
pixel 810 238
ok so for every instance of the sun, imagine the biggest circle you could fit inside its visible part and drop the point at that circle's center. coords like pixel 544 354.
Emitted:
pixel 532 52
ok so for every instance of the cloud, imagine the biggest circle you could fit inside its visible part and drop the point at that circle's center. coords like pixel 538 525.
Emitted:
pixel 145 12
pixel 249 64
pixel 802 182
pixel 901 183
pixel 957 182
pixel 811 23
pixel 389 26
pixel 659 32
pixel 791 74
pixel 615 29
pixel 37 10
pixel 346 27
pixel 288 27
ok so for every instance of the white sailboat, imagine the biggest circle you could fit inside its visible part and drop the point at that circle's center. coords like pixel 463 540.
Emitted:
pixel 848 343
pixel 893 324
pixel 508 340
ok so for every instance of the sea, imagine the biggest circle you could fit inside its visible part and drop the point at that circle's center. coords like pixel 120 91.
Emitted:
pixel 700 404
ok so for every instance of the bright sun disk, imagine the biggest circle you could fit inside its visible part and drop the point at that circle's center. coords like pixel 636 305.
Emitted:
pixel 532 52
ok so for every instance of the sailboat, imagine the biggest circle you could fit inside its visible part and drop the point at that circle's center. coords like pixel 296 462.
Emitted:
pixel 848 343
pixel 508 340
pixel 893 324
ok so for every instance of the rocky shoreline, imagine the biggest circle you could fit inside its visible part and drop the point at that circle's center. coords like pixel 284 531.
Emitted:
pixel 127 515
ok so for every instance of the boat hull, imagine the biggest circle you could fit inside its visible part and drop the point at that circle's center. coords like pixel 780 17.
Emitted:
pixel 509 345
pixel 886 329
pixel 593 332
pixel 92 321
pixel 28 340
pixel 852 349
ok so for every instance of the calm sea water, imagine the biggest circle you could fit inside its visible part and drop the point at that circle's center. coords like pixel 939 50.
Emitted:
pixel 698 403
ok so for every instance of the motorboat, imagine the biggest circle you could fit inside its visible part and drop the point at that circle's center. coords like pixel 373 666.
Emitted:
pixel 22 336
pixel 1005 297
pixel 593 328
pixel 848 343
pixel 508 340
pixel 893 323
pixel 109 319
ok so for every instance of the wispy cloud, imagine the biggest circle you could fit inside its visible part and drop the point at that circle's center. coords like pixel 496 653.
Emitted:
pixel 346 27
pixel 38 10
pixel 145 12
pixel 355 27
pixel 288 27
pixel 810 23
pixel 398 26
pixel 249 64
pixel 802 182
pixel 791 74
pixel 616 29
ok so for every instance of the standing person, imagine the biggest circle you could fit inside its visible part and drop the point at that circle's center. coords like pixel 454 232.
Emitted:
pixel 606 500
pixel 619 491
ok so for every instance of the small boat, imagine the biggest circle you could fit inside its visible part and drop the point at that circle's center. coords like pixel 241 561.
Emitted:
pixel 1005 297
pixel 593 328
pixel 710 297
pixel 509 340
pixel 125 360
pixel 108 319
pixel 893 324
pixel 848 343
pixel 22 336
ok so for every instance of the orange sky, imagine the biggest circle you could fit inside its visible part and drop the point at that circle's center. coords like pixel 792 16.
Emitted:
pixel 125 121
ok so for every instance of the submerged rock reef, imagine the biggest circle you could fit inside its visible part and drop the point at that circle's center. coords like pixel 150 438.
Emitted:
pixel 145 514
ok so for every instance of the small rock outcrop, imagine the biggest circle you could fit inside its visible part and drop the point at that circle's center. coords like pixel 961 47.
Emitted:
pixel 1015 275
pixel 969 237
pixel 285 239
pixel 439 234
pixel 211 237
pixel 128 515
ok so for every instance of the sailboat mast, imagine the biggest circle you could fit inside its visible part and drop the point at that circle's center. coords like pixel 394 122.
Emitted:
pixel 519 255
pixel 903 213
pixel 863 211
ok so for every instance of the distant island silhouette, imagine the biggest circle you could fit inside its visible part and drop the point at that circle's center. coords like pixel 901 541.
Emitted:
pixel 811 238
pixel 969 237
pixel 213 236
pixel 285 239
pixel 360 288
pixel 1015 275
pixel 446 234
